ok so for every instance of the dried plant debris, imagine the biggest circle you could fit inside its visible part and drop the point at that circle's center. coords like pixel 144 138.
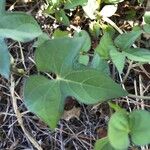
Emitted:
pixel 80 125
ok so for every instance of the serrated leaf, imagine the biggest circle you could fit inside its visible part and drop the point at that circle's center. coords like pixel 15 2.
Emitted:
pixel 126 40
pixel 138 54
pixel 86 85
pixel 62 17
pixel 140 127
pixel 87 40
pixel 147 17
pixel 4 59
pixel 119 127
pixel 103 144
pixel 74 3
pixel 118 58
pixel 19 26
pixel 104 46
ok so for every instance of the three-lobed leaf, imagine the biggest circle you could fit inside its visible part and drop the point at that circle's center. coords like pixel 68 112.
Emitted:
pixel 87 85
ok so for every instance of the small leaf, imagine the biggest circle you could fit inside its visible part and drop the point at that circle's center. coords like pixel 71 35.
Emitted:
pixel 118 58
pixel 103 144
pixel 87 85
pixel 146 28
pixel 138 54
pixel 90 8
pixel 4 59
pixel 100 64
pixel 41 39
pixel 104 46
pixel 126 40
pixel 62 17
pixel 108 10
pixel 147 17
pixel 19 26
pixel 87 40
pixel 118 130
pixel 113 1
pixel 74 3
pixel 140 127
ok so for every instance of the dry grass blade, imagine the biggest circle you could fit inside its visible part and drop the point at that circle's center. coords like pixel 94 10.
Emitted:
pixel 19 116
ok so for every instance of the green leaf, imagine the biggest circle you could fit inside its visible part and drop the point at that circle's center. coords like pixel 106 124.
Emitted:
pixel 84 59
pixel 113 1
pixel 138 54
pixel 108 10
pixel 94 29
pixel 90 8
pixel 62 17
pixel 19 26
pixel 43 97
pixel 60 55
pixel 118 58
pixel 2 6
pixel 41 39
pixel 104 46
pixel 87 40
pixel 86 85
pixel 126 40
pixel 147 17
pixel 59 33
pixel 140 127
pixel 146 28
pixel 103 144
pixel 118 130
pixel 100 64
pixel 74 3
pixel 4 59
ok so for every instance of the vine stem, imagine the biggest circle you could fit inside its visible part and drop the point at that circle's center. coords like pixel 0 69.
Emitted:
pixel 19 116
pixel 139 97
